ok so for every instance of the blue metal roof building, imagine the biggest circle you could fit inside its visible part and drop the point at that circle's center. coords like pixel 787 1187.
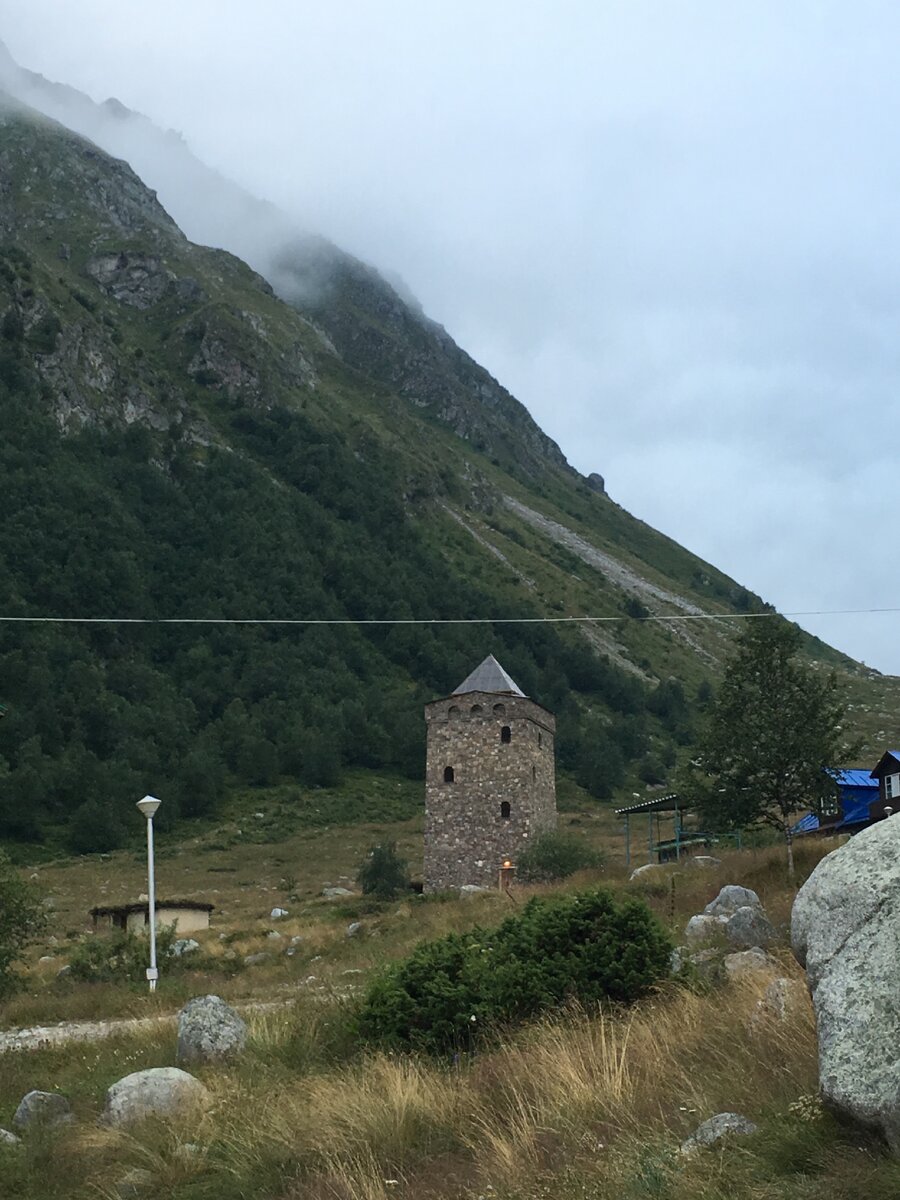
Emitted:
pixel 857 791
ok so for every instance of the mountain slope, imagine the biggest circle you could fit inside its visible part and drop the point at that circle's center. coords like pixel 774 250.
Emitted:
pixel 180 443
pixel 384 335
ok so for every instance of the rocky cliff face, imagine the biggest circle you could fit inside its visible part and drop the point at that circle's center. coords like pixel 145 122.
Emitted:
pixel 375 330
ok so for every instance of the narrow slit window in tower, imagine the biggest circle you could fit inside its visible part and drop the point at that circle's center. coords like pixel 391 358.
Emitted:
pixel 448 774
pixel 505 810
pixel 505 734
pixel 533 774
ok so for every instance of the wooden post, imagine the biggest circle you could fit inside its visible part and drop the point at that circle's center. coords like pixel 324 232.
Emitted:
pixel 507 876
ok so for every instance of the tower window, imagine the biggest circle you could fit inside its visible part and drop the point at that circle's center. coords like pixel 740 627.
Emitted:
pixel 540 738
pixel 453 710
pixel 448 774
pixel 505 734
pixel 499 710
pixel 533 774
pixel 505 810
pixel 476 710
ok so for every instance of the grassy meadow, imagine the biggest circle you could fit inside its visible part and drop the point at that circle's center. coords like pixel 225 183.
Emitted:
pixel 581 1104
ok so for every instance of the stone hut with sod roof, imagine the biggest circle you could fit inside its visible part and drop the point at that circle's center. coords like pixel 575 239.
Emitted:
pixel 490 779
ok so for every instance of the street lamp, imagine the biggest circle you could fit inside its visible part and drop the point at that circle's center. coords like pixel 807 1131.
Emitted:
pixel 148 807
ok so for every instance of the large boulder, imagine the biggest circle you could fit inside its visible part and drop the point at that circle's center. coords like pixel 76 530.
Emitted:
pixel 784 1000
pixel 42 1109
pixel 845 929
pixel 209 1030
pixel 157 1092
pixel 748 926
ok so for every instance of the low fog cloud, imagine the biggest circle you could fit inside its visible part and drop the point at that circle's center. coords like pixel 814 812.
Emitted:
pixel 670 229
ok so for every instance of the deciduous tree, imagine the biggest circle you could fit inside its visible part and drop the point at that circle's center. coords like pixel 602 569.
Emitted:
pixel 773 731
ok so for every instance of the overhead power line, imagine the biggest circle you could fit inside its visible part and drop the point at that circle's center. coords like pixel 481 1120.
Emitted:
pixel 660 617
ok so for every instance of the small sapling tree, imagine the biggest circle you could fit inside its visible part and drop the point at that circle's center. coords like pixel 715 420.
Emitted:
pixel 771 734
pixel 22 918
pixel 552 856
pixel 383 873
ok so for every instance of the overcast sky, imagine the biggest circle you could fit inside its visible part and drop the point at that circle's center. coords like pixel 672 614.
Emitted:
pixel 669 227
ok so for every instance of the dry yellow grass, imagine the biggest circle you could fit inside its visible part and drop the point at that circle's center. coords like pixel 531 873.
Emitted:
pixel 583 1089
pixel 580 1104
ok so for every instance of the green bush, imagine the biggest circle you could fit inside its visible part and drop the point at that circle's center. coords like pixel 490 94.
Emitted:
pixel 460 990
pixel 123 956
pixel 553 856
pixel 383 874
pixel 21 919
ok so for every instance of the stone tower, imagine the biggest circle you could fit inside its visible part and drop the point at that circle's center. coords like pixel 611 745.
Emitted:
pixel 490 780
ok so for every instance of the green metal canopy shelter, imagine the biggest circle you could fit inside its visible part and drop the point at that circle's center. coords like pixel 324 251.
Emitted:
pixel 663 849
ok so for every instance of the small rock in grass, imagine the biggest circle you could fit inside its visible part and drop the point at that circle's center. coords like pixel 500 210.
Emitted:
pixel 254 960
pixel 648 869
pixel 136 1183
pixel 209 1030
pixel 9 1139
pixel 353 928
pixel 749 962
pixel 334 892
pixel 707 964
pixel 184 946
pixel 704 860
pixel 730 899
pixel 273 936
pixel 44 1109
pixel 157 1092
pixel 722 1125
pixel 277 913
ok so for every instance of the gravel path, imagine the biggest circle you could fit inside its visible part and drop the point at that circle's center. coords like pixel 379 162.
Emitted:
pixel 38 1036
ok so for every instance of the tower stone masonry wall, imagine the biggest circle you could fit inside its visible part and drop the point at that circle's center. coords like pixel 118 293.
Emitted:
pixel 468 835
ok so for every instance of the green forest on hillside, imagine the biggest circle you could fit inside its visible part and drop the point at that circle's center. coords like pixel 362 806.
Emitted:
pixel 289 522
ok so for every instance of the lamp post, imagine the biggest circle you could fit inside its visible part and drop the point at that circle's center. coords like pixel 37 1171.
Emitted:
pixel 148 807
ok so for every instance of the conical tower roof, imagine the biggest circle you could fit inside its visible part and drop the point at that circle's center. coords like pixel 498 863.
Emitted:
pixel 489 676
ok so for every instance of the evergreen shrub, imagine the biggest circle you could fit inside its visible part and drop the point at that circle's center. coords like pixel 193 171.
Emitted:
pixel 553 856
pixel 463 989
